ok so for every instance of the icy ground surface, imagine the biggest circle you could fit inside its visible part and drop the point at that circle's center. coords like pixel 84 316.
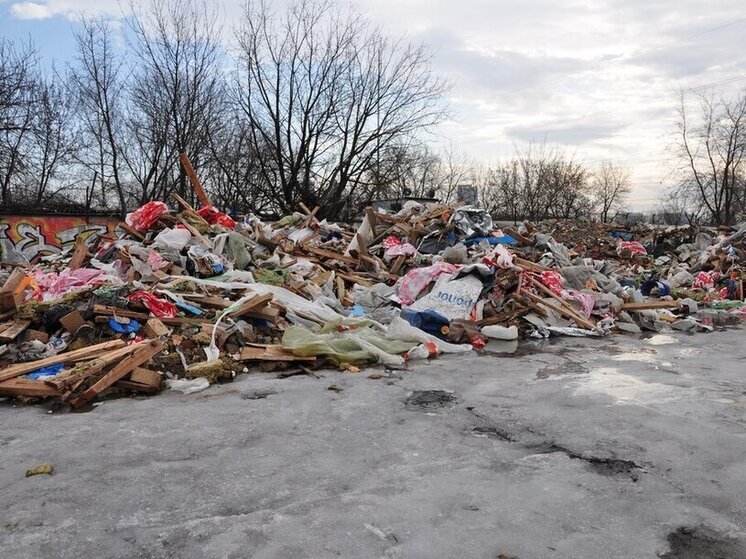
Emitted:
pixel 579 448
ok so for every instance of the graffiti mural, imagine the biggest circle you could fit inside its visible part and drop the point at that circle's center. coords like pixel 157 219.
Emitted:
pixel 22 238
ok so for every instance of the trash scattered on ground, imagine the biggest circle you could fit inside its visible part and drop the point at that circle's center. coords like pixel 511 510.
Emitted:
pixel 41 469
pixel 185 298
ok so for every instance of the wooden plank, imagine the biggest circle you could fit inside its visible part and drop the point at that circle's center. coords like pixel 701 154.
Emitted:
pixel 131 231
pixel 137 387
pixel 10 293
pixel 650 305
pixel 207 300
pixel 111 311
pixel 560 310
pixel 270 353
pixel 79 254
pixel 146 376
pixel 10 334
pixel 194 231
pixel 564 304
pixel 398 262
pixel 332 255
pixel 154 328
pixel 69 357
pixel 251 305
pixel 27 387
pixel 72 321
pixel 528 265
pixel 123 368
pixel 340 289
pixel 196 185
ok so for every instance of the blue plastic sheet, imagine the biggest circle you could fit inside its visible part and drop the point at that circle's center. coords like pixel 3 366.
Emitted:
pixel 131 326
pixel 44 372
pixel 504 240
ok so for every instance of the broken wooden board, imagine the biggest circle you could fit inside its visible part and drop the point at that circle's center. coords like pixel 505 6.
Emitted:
pixel 10 292
pixel 254 304
pixel 14 330
pixel 154 328
pixel 27 387
pixel 111 311
pixel 79 254
pixel 141 355
pixel 194 179
pixel 71 356
pixel 650 305
pixel 330 254
pixel 72 321
pixel 146 377
pixel 270 353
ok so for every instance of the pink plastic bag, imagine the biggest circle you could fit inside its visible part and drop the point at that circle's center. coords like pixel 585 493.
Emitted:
pixel 586 300
pixel 144 217
pixel 416 280
pixel 404 249
pixel 391 241
pixel 53 285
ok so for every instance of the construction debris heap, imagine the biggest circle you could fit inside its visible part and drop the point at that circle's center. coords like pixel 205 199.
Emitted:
pixel 191 297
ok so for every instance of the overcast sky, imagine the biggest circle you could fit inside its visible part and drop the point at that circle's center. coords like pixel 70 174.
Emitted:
pixel 600 77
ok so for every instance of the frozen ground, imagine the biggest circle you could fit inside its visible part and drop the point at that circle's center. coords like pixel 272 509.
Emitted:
pixel 624 448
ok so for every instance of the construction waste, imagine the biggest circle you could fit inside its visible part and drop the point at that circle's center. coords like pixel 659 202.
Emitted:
pixel 185 297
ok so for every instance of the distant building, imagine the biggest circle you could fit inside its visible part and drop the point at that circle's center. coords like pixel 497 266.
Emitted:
pixel 467 193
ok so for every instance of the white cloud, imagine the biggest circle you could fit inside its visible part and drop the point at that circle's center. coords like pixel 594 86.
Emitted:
pixel 30 10
pixel 600 76
pixel 71 9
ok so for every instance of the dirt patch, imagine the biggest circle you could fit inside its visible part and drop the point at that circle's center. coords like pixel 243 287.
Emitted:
pixel 700 542
pixel 430 400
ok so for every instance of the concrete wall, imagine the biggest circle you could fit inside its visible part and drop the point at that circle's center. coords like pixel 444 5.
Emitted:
pixel 24 237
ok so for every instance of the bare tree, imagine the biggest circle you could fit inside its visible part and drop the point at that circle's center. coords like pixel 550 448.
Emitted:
pixel 19 90
pixel 54 143
pixel 97 80
pixel 175 92
pixel 713 150
pixel 610 188
pixel 326 96
pixel 538 183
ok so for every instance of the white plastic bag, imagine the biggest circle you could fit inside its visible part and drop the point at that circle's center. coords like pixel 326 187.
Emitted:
pixel 188 386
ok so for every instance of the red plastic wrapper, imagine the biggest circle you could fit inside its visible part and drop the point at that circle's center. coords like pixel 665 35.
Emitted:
pixel 215 217
pixel 703 280
pixel 632 246
pixel 553 280
pixel 159 307
pixel 144 217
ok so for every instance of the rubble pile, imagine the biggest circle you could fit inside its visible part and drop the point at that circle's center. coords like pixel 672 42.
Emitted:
pixel 187 297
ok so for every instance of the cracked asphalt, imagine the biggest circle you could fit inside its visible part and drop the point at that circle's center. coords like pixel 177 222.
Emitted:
pixel 615 448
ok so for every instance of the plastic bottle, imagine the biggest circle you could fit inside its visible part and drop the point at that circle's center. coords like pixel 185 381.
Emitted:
pixel 428 321
pixel 498 332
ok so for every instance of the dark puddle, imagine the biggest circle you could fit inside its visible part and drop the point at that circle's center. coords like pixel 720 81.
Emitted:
pixel 700 543
pixel 429 400
pixel 257 394
pixel 567 368
pixel 537 443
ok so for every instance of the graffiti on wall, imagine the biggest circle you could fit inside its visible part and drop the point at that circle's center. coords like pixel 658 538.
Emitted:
pixel 23 238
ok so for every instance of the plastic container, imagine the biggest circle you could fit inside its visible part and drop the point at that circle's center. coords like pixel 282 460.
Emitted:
pixel 497 332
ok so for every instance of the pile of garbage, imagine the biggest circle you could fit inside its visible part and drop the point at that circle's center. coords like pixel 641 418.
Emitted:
pixel 187 297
